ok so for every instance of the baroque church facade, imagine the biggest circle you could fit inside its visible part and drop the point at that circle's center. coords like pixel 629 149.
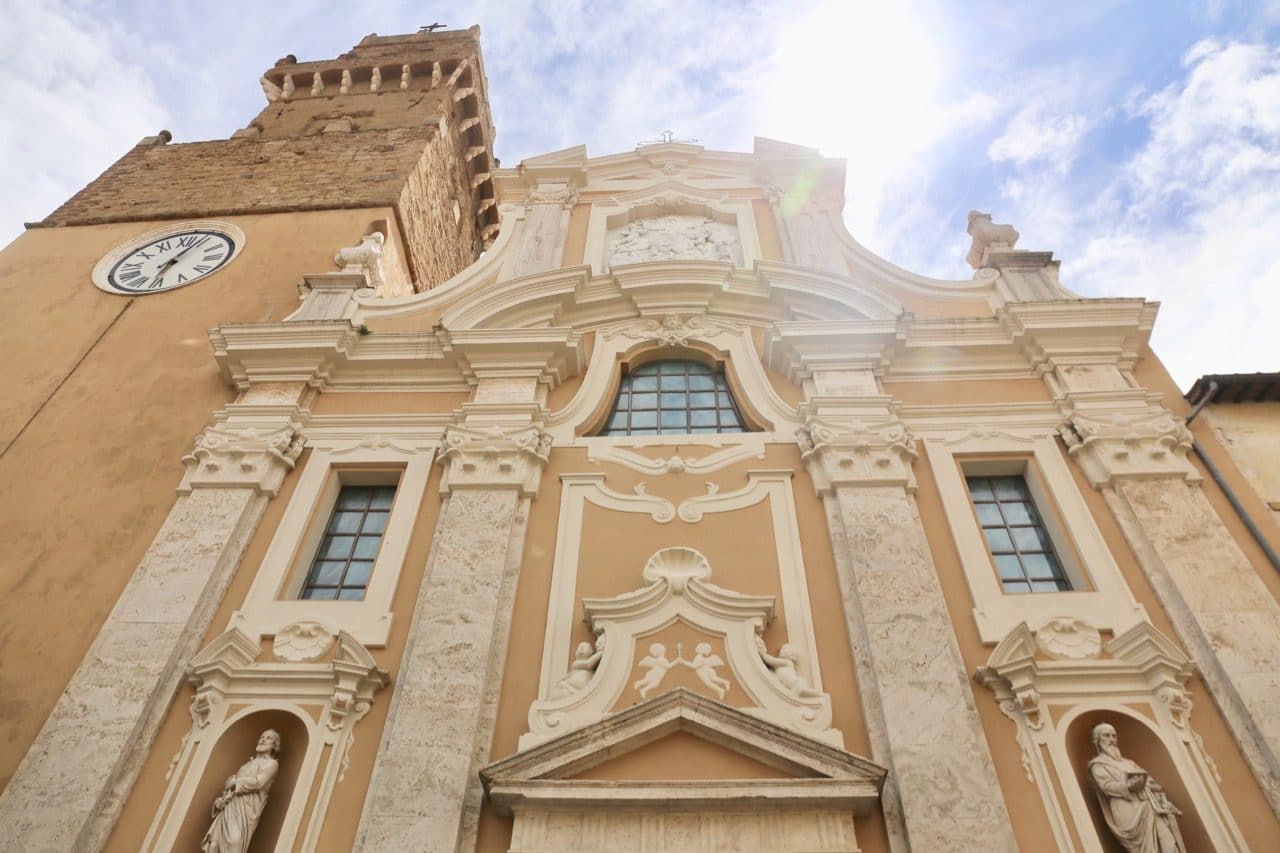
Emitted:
pixel 362 494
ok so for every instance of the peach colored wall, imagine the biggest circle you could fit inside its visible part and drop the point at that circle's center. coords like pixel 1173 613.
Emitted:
pixel 104 394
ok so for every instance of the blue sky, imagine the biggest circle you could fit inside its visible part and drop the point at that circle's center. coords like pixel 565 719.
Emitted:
pixel 1138 141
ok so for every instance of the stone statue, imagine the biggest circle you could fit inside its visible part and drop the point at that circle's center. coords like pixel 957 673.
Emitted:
pixel 987 235
pixel 585 662
pixel 704 664
pixel 1136 809
pixel 655 664
pixel 238 807
pixel 785 667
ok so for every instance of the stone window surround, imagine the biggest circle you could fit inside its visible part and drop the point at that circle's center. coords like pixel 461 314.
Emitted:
pixel 1099 592
pixel 725 344
pixel 272 601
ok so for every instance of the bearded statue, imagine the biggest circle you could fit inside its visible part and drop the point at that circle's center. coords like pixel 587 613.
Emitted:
pixel 1136 809
pixel 238 807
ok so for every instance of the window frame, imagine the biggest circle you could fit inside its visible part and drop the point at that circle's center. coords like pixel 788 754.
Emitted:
pixel 309 558
pixel 1100 595
pixel 720 383
pixel 273 599
pixel 1047 516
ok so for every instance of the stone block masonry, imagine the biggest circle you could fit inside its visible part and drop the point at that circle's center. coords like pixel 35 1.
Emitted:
pixel 418 171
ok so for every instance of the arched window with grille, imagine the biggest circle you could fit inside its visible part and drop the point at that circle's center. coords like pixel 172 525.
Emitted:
pixel 673 396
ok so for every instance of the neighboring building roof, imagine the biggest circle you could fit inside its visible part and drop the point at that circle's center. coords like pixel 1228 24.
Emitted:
pixel 1237 388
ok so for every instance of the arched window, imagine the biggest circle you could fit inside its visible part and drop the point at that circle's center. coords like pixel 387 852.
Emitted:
pixel 673 397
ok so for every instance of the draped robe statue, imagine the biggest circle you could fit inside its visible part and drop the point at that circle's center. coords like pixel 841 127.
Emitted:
pixel 237 809
pixel 1136 809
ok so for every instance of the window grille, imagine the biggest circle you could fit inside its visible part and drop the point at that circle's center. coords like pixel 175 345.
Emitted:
pixel 1016 536
pixel 671 397
pixel 350 544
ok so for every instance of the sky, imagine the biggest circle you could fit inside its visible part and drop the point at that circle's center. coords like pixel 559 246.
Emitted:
pixel 1140 142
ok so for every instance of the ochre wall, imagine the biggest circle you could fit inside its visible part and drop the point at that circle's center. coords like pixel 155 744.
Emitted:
pixel 1251 433
pixel 104 395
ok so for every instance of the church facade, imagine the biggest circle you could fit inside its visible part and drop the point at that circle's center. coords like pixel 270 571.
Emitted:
pixel 363 494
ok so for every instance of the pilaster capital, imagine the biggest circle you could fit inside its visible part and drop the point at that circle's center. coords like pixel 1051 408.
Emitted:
pixel 1137 444
pixel 242 457
pixel 494 457
pixel 857 453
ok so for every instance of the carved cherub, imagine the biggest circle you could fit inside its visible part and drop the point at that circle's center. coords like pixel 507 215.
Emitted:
pixel 704 663
pixel 785 668
pixel 586 660
pixel 656 665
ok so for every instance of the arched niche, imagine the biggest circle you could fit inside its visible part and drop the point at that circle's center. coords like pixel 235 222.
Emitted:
pixel 234 748
pixel 1140 743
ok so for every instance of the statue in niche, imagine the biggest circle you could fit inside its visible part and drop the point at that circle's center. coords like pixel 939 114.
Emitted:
pixel 1136 809
pixel 585 661
pixel 704 665
pixel 238 807
pixel 785 666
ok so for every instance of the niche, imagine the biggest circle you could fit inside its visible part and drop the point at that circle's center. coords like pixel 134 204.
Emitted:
pixel 1141 744
pixel 234 748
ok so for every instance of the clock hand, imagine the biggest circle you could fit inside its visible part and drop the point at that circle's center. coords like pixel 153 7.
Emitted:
pixel 178 256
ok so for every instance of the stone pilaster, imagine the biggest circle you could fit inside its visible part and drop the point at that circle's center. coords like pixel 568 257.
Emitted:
pixel 70 787
pixel 425 793
pixel 942 792
pixel 1223 613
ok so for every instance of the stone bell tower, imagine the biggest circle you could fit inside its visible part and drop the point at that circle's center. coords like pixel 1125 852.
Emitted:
pixel 397 120
pixel 393 138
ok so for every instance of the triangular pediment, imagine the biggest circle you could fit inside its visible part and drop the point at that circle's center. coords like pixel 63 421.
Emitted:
pixel 560 770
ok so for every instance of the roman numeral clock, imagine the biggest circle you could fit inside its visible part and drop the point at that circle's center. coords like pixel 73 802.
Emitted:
pixel 170 257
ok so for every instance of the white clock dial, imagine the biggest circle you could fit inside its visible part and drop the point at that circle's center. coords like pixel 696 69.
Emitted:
pixel 173 257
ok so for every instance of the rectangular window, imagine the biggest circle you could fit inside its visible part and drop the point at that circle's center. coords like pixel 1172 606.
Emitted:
pixel 1016 537
pixel 344 560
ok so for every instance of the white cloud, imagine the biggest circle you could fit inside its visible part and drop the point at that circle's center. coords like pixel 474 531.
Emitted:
pixel 1037 136
pixel 73 105
pixel 1197 211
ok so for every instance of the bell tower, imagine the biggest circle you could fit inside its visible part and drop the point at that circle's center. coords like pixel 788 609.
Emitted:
pixel 400 121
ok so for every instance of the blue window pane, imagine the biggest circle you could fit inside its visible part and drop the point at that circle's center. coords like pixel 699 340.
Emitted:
pixel 1009 567
pixel 345 522
pixel 644 401
pixel 353 497
pixel 374 522
pixel 671 401
pixel 358 573
pixel 382 497
pixel 618 421
pixel 674 419
pixel 726 401
pixel 347 594
pixel 675 383
pixel 703 417
pixel 328 572
pixel 702 400
pixel 336 547
pixel 644 383
pixel 1031 539
pixel 1017 513
pixel 998 540
pixel 367 547
pixel 1017 587
pixel 989 515
pixel 644 420
pixel 1010 488
pixel 320 594
pixel 980 488
pixel 702 383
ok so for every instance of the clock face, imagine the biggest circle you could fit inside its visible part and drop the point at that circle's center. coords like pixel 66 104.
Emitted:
pixel 173 257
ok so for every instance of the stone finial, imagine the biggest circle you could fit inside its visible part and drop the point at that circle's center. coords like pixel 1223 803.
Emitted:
pixel 987 236
pixel 287 90
pixel 317 83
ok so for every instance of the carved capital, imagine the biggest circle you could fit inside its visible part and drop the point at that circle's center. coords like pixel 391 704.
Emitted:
pixel 494 458
pixel 857 453
pixel 1143 444
pixel 227 457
